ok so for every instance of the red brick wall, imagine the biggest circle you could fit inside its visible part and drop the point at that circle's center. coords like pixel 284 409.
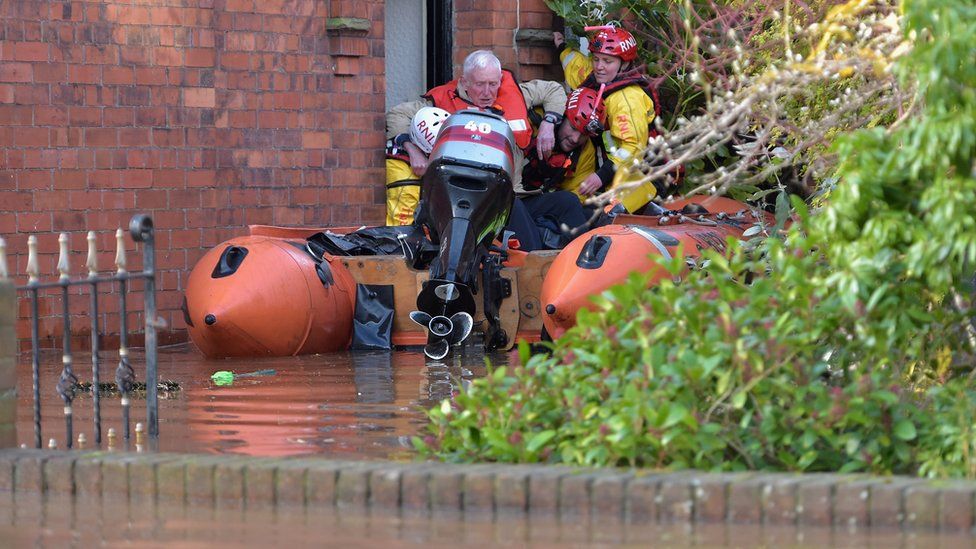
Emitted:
pixel 493 25
pixel 208 115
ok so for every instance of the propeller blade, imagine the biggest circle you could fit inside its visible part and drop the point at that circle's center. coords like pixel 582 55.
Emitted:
pixel 421 318
pixel 437 349
pixel 463 323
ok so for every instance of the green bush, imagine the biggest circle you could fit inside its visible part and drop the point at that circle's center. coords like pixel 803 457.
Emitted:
pixel 836 348
pixel 709 374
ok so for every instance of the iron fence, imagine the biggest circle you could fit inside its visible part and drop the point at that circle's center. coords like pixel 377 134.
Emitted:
pixel 142 231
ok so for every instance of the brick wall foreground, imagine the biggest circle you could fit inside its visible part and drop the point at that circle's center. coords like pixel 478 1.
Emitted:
pixel 566 493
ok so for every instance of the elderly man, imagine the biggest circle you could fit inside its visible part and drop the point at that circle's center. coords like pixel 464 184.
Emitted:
pixel 483 84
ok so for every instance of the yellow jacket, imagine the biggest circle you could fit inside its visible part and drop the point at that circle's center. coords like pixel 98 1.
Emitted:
pixel 584 166
pixel 402 192
pixel 630 112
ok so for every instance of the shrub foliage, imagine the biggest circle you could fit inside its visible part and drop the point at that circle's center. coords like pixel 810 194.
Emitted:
pixel 841 344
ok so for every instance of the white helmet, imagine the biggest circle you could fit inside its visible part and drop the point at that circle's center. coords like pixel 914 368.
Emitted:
pixel 426 124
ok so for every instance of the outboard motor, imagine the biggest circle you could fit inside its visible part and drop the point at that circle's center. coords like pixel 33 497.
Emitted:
pixel 465 199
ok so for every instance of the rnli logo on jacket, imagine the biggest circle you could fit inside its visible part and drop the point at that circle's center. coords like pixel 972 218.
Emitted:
pixel 623 125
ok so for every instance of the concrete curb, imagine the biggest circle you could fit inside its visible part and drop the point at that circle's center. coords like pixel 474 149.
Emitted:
pixel 567 494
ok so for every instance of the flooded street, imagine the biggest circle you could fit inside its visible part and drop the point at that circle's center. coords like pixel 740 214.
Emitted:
pixel 349 405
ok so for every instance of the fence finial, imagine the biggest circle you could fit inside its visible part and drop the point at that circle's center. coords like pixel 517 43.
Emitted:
pixel 33 271
pixel 120 250
pixel 3 259
pixel 92 262
pixel 63 266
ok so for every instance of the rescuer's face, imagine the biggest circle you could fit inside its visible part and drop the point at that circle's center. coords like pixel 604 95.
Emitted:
pixel 569 137
pixel 605 67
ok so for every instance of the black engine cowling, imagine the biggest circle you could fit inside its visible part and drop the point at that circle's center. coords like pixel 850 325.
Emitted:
pixel 465 199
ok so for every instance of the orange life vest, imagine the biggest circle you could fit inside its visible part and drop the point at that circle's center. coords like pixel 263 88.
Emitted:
pixel 510 104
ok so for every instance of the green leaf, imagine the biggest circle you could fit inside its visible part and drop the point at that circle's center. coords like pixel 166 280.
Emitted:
pixel 782 209
pixel 676 415
pixel 539 440
pixel 905 430
pixel 722 383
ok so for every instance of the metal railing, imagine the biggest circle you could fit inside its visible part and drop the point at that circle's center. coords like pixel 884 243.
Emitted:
pixel 141 230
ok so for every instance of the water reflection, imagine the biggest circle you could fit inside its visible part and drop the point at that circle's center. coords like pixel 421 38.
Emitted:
pixel 31 520
pixel 373 376
pixel 354 405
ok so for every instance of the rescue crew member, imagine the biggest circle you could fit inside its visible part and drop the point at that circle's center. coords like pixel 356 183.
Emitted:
pixel 584 121
pixel 631 107
pixel 402 184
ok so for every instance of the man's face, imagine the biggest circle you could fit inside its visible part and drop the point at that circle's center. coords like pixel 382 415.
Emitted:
pixel 482 85
pixel 569 137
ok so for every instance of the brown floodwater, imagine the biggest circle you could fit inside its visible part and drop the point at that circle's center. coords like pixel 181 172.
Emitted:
pixel 352 405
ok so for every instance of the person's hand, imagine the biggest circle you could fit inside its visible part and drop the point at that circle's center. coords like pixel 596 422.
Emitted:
pixel 590 185
pixel 418 160
pixel 545 140
pixel 558 39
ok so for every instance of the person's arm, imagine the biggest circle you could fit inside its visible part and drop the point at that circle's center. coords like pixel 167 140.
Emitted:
pixel 399 118
pixel 549 95
pixel 418 160
pixel 552 98
pixel 576 66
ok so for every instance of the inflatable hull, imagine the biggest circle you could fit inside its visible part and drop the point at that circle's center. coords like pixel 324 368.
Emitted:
pixel 275 304
pixel 606 256
pixel 264 296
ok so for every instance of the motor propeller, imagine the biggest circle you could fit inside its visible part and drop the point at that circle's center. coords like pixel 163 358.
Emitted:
pixel 442 332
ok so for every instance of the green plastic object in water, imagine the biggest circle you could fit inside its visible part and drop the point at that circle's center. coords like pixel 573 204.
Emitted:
pixel 225 377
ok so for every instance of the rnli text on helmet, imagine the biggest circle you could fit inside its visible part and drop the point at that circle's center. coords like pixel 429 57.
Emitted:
pixel 627 44
pixel 426 132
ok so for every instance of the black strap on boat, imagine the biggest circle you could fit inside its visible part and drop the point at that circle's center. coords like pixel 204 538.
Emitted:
pixel 372 322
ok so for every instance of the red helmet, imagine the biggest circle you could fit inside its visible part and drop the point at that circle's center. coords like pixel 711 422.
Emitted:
pixel 616 42
pixel 585 111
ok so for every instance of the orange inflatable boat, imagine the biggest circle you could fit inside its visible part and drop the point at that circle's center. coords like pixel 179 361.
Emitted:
pixel 607 255
pixel 265 294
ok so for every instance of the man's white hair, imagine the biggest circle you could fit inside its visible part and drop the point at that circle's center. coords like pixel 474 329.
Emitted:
pixel 481 59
